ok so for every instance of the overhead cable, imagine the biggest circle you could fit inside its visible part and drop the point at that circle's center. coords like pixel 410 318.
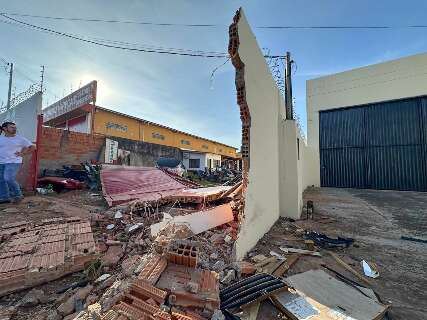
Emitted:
pixel 337 27
pixel 116 46
pixel 121 44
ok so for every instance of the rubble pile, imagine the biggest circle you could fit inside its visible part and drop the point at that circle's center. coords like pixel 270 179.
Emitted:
pixel 173 258
pixel 166 259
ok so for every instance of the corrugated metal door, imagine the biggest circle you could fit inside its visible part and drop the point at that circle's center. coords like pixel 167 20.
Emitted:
pixel 378 146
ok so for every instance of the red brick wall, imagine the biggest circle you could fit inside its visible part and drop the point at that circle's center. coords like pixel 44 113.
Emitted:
pixel 60 147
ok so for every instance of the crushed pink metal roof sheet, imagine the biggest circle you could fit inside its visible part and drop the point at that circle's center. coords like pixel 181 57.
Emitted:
pixel 123 184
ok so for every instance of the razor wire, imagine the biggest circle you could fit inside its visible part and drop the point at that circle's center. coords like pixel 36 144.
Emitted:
pixel 21 97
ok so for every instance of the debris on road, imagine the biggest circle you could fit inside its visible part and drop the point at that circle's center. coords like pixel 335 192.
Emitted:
pixel 326 242
pixel 317 295
pixel 369 270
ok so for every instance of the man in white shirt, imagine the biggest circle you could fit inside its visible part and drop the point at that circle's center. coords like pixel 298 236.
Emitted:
pixel 12 148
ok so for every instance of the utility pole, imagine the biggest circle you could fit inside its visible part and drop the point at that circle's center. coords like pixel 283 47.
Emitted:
pixel 288 88
pixel 41 78
pixel 9 93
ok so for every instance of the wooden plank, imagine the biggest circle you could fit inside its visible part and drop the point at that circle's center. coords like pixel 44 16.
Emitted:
pixel 301 251
pixel 323 297
pixel 347 267
pixel 286 265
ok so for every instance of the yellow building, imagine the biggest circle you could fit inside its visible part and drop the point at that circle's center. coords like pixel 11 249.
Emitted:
pixel 95 119
pixel 116 124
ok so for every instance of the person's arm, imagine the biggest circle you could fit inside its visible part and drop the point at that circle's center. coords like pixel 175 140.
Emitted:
pixel 28 148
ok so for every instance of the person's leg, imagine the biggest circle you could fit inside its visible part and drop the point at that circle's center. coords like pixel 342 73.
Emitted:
pixel 10 172
pixel 4 189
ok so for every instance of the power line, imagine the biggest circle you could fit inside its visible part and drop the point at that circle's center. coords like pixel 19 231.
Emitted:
pixel 121 44
pixel 338 27
pixel 112 21
pixel 114 46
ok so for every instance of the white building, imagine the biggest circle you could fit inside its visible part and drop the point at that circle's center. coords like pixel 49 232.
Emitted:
pixel 367 127
pixel 199 161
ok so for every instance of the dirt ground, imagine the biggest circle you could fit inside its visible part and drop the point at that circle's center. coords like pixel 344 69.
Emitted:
pixel 376 220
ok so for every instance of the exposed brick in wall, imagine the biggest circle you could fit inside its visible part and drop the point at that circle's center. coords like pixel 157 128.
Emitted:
pixel 60 147
pixel 245 116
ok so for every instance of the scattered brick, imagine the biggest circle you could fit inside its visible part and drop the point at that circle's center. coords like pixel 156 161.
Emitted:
pixel 153 269
pixel 183 254
pixel 144 290
pixel 175 279
pixel 44 253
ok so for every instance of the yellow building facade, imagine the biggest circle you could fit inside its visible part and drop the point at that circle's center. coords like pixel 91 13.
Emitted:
pixel 116 124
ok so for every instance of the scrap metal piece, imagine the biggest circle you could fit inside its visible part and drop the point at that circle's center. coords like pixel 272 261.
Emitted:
pixel 324 241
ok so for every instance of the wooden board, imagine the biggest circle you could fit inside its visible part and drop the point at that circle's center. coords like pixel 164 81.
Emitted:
pixel 325 298
pixel 301 251
pixel 286 265
pixel 348 268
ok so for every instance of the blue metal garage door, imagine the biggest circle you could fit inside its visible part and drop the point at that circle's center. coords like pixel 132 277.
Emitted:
pixel 377 146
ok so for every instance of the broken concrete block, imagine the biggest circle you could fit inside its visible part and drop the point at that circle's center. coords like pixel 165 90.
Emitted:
pixel 32 298
pixel 7 313
pixel 214 256
pixel 192 287
pixel 66 307
pixel 130 264
pixel 82 293
pixel 107 283
pixel 219 266
pixel 258 258
pixel 103 277
pixel 71 316
pixel 112 256
pixel 217 238
pixel 53 315
pixel 229 277
pixel 217 315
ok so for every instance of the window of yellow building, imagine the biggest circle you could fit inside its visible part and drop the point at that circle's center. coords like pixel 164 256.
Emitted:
pixel 156 135
pixel 185 142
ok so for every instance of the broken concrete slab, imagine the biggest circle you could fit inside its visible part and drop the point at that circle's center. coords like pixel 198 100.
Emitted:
pixel 112 256
pixel 199 222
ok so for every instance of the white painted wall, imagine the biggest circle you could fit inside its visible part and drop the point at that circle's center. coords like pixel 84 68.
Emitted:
pixel 187 155
pixel 263 97
pixel 396 79
pixel 212 157
pixel 25 116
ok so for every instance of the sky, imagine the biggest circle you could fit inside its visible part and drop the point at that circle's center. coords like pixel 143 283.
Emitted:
pixel 179 91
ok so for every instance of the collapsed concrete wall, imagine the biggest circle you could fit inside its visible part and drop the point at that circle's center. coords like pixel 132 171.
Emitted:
pixel 273 151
